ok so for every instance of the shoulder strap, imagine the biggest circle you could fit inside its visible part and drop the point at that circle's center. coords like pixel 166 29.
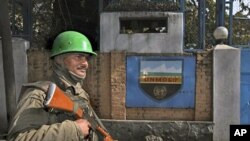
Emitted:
pixel 25 120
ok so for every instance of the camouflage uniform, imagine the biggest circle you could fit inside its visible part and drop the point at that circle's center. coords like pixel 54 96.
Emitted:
pixel 34 122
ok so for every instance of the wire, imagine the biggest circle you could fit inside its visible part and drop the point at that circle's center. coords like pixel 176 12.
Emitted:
pixel 68 14
pixel 60 7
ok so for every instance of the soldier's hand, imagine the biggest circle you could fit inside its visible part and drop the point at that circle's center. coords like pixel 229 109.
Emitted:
pixel 84 126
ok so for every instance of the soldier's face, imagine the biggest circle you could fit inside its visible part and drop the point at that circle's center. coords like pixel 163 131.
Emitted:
pixel 77 63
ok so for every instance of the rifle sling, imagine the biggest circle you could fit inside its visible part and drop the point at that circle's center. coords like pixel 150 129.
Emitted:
pixel 76 107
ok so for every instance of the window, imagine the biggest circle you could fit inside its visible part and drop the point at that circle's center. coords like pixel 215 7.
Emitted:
pixel 143 25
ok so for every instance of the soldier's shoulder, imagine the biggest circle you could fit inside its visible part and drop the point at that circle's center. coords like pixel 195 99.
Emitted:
pixel 34 88
pixel 42 85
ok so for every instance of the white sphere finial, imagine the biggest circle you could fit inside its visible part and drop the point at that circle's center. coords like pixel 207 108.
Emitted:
pixel 220 33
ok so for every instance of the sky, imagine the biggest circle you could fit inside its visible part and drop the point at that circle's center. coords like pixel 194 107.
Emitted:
pixel 162 66
pixel 236 5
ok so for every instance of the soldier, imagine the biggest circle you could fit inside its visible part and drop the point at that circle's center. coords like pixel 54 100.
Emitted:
pixel 33 121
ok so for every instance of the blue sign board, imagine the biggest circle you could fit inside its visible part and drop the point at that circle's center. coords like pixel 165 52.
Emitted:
pixel 166 81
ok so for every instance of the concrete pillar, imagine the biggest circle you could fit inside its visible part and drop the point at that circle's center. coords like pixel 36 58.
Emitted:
pixel 226 90
pixel 21 75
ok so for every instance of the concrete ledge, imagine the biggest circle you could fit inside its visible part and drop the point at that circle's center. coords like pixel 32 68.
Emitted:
pixel 152 130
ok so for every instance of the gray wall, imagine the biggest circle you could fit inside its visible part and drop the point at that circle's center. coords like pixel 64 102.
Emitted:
pixel 170 42
pixel 21 75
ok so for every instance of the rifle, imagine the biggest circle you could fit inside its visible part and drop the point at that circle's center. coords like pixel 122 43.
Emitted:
pixel 57 99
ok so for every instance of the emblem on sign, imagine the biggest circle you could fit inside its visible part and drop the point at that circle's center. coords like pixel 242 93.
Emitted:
pixel 160 79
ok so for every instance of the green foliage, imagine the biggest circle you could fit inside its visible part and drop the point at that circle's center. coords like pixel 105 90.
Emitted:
pixel 191 25
pixel 42 15
pixel 241 24
pixel 48 18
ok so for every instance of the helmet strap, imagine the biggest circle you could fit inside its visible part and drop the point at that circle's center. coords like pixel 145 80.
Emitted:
pixel 76 77
pixel 66 75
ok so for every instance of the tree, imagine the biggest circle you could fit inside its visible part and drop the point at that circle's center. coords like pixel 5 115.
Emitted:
pixel 53 16
pixel 241 22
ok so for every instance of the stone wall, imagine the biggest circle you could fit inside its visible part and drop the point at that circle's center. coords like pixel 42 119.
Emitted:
pixel 148 130
pixel 204 89
pixel 106 83
pixel 39 65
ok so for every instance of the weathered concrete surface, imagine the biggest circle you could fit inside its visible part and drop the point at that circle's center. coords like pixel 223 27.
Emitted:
pixel 19 46
pixel 149 130
pixel 226 90
pixel 170 42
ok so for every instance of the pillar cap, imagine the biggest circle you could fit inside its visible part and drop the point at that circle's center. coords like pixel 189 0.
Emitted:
pixel 220 33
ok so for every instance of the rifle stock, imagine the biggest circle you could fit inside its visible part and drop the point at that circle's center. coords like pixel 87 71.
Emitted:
pixel 57 99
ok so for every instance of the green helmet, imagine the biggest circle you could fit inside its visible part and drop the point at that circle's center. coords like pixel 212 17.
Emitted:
pixel 71 41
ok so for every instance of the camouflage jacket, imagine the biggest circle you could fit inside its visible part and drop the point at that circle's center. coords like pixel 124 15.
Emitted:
pixel 34 122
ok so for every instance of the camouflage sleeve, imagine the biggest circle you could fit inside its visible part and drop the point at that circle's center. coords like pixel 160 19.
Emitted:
pixel 65 131
pixel 30 121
